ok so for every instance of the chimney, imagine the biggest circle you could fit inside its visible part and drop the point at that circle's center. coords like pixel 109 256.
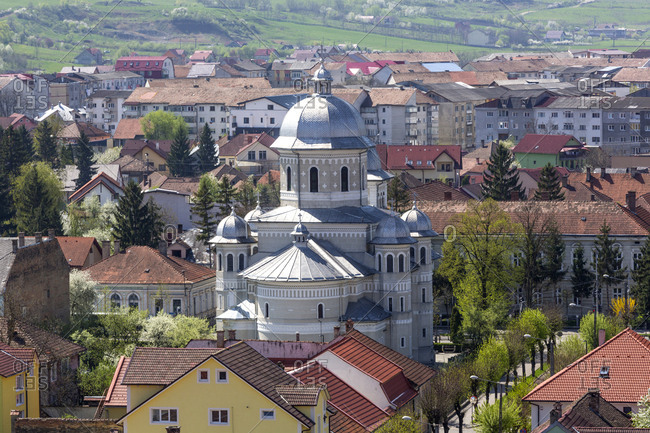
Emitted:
pixel 173 429
pixel 588 178
pixel 601 337
pixel 565 181
pixel 50 234
pixel 106 249
pixel 630 200
pixel 162 247
pixel 14 245
pixel 594 399
pixel 603 172
pixel 349 325
pixel 38 237
pixel 633 172
pixel 220 339
pixel 116 247
pixel 514 196
pixel 447 195
pixel 21 239
pixel 337 331
pixel 556 412
pixel 297 336
pixel 232 335
pixel 478 161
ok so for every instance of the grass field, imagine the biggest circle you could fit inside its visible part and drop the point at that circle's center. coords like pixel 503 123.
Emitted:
pixel 146 26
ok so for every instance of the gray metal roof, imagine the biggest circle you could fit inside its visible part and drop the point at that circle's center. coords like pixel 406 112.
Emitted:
pixel 245 310
pixel 306 261
pixel 233 229
pixel 343 214
pixel 418 223
pixel 365 310
pixel 392 231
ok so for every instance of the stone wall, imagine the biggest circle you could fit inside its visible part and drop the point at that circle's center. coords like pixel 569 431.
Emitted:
pixel 56 425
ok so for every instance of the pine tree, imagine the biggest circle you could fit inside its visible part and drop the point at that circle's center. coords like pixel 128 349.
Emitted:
pixel 207 153
pixel 501 179
pixel 136 223
pixel 582 278
pixel 15 151
pixel 37 199
pixel 84 161
pixel 203 208
pixel 224 195
pixel 246 196
pixel 178 159
pixel 553 250
pixel 45 143
pixel 399 198
pixel 609 261
pixel 549 183
pixel 24 146
pixel 641 276
pixel 66 155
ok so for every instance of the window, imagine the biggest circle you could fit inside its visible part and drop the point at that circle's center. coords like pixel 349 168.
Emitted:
pixel 158 305
pixel 164 416
pixel 401 304
pixel 390 304
pixel 610 127
pixel 321 312
pixel 20 383
pixel 241 263
pixel 219 416
pixel 176 306
pixel 595 127
pixel 20 399
pixel 503 125
pixel 288 178
pixel 541 114
pixel 595 115
pixel 344 179
pixel 262 155
pixel 554 114
pixel 389 263
pixel 423 256
pixel 267 414
pixel 272 120
pixel 313 179
pixel 490 114
pixel 203 376
pixel 402 342
pixel 424 332
pixel 246 120
pixel 266 310
pixel 269 107
pixel 378 262
pixel 424 295
pixel 251 155
pixel 134 301
pixel 400 263
pixel 219 262
pixel 116 300
pixel 229 263
pixel 222 376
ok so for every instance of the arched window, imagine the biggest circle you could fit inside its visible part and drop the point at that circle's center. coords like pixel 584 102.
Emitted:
pixel 400 263
pixel 229 263
pixel 321 311
pixel 389 263
pixel 241 262
pixel 344 179
pixel 116 300
pixel 266 310
pixel 313 179
pixel 288 178
pixel 412 257
pixel 219 262
pixel 423 256
pixel 134 301
pixel 379 258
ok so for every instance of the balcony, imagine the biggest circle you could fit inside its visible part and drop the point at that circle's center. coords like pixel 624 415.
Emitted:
pixel 411 121
pixel 411 132
pixel 411 109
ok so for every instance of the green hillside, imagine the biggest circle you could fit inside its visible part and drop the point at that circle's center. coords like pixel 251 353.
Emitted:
pixel 51 33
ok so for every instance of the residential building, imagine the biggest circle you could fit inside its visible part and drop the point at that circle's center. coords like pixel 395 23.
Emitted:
pixel 16 120
pixel 70 173
pixel 34 279
pixel 478 38
pixel 580 116
pixel 147 66
pixel 390 115
pixel 264 114
pixel 127 129
pixel 104 108
pixel 26 94
pixel 89 56
pixel 249 69
pixel 18 384
pixel 425 163
pixel 175 207
pixel 80 252
pixel 147 279
pixel 202 56
pixel 178 56
pixel 555 36
pixel 265 54
pixel 637 77
pixel 626 125
pixel 413 57
pixel 257 157
pixel 229 149
pixel 535 150
pixel 153 153
pixel 102 186
pixel 97 139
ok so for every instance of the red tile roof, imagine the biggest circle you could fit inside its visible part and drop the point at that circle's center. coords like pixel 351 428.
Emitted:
pixel 116 394
pixel 100 178
pixel 73 132
pixel 542 143
pixel 269 176
pixel 436 191
pixel 14 360
pixel 300 394
pixel 77 248
pixel 48 346
pixel 395 157
pixel 237 143
pixel 145 265
pixel 162 365
pixel 628 356
pixel 614 185
pixel 128 129
pixel 140 63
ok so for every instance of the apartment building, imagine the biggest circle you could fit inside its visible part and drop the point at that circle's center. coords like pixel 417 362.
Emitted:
pixel 104 108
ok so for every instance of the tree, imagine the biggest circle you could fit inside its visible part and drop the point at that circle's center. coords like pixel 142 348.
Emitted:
pixel 534 225
pixel 203 207
pixel 641 276
pixel 516 345
pixel 492 362
pixel 66 155
pixel 136 223
pixel 582 278
pixel 399 198
pixel 641 419
pixel 161 125
pixel 501 179
pixel 37 199
pixel 207 153
pixel 164 330
pixel 549 187
pixel 568 350
pixel 225 195
pixel 178 160
pixel 553 254
pixel 397 424
pixel 89 218
pixel 246 196
pixel 609 261
pixel 602 322
pixel 486 417
pixel 109 155
pixel 269 193
pixel 83 295
pixel 45 143
pixel 435 402
pixel 15 150
pixel 534 323
pixel 84 161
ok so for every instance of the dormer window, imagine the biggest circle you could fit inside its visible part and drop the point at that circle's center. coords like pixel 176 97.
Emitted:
pixel 604 372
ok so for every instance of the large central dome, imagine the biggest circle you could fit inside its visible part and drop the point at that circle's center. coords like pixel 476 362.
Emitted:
pixel 322 121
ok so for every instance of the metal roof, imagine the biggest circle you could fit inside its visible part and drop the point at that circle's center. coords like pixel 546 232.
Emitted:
pixel 365 310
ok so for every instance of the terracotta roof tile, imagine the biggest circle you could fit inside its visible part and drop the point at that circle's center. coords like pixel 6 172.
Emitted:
pixel 611 429
pixel 300 394
pixel 542 143
pixel 128 129
pixel 116 396
pixel 99 178
pixel 395 157
pixel 73 132
pixel 390 95
pixel 634 75
pixel 270 176
pixel 14 360
pixel 162 365
pixel 614 185
pixel 628 356
pixel 76 249
pixel 48 346
pixel 436 191
pixel 145 265
pixel 425 57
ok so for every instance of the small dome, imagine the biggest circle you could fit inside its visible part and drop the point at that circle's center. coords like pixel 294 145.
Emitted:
pixel 418 222
pixel 392 230
pixel 322 74
pixel 254 214
pixel 232 229
pixel 300 232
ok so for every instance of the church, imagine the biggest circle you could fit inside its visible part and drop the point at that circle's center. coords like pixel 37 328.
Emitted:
pixel 332 252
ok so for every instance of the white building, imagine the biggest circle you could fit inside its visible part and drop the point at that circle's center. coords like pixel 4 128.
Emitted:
pixel 105 108
pixel 328 254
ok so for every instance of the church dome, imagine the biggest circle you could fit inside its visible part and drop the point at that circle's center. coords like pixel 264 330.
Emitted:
pixel 254 214
pixel 392 231
pixel 232 229
pixel 418 222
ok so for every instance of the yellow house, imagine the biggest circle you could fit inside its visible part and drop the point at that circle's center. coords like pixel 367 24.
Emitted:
pixel 218 390
pixel 19 387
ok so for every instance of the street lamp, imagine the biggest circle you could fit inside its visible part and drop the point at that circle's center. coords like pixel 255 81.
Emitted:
pixel 475 377
pixel 551 346
pixel 408 418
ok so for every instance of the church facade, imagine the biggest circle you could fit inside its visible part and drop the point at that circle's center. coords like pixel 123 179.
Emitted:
pixel 331 252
